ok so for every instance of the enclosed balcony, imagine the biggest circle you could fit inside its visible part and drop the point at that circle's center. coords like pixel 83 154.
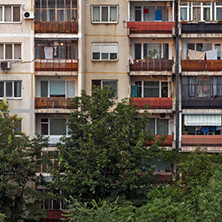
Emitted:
pixel 151 65
pixel 151 17
pixel 53 103
pixel 56 55
pixel 58 16
pixel 201 92
pixel 167 140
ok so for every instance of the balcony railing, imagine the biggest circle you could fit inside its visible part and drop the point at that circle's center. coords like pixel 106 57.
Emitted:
pixel 201 65
pixel 201 27
pixel 56 65
pixel 53 102
pixel 56 27
pixel 150 27
pixel 168 140
pixel 203 140
pixel 202 102
pixel 153 102
pixel 151 65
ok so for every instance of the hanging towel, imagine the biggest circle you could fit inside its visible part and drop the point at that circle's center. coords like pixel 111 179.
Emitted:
pixel 48 52
pixel 131 60
pixel 211 54
pixel 134 91
pixel 196 55
pixel 205 129
pixel 158 16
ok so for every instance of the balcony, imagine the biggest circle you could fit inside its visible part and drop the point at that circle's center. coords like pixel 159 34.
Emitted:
pixel 201 27
pixel 202 140
pixel 56 27
pixel 150 27
pixel 151 65
pixel 53 215
pixel 202 102
pixel 56 65
pixel 167 142
pixel 53 102
pixel 153 102
pixel 201 65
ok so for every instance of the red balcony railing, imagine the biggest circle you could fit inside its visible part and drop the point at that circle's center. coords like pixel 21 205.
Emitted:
pixel 56 65
pixel 153 102
pixel 53 215
pixel 150 27
pixel 204 140
pixel 53 102
pixel 201 65
pixel 56 27
pixel 168 140
pixel 151 65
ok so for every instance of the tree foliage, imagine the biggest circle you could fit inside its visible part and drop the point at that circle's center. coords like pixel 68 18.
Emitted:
pixel 105 154
pixel 18 163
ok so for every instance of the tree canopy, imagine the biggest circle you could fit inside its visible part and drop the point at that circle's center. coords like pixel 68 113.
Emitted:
pixel 105 154
pixel 18 198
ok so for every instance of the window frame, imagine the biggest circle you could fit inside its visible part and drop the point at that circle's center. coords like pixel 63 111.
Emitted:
pixel 56 9
pixel 215 11
pixel 48 123
pixel 160 88
pixel 156 125
pixel 13 91
pixel 2 21
pixel 104 44
pixel 109 14
pixel 66 87
pixel 13 51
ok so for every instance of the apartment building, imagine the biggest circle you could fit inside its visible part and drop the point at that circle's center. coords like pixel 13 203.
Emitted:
pixel 52 49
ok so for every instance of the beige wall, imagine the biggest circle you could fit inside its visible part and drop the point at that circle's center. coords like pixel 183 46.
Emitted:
pixel 23 70
pixel 111 33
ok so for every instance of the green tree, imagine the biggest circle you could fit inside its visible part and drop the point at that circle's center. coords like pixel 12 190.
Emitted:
pixel 18 163
pixel 105 154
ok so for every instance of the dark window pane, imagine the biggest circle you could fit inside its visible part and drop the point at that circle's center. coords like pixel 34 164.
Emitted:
pixel 37 3
pixel 60 3
pixel 1 89
pixel 44 129
pixel 104 14
pixel 164 89
pixel 105 55
pixel 8 89
pixel 17 89
pixel 18 128
pixel 137 51
pixel 113 55
pixel 9 51
pixel 165 51
pixel 44 3
pixel 44 88
pixel 138 13
pixel 16 13
pixel 51 3
pixel 96 55
pixel 151 89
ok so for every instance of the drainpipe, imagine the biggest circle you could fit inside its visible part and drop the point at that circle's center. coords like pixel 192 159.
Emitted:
pixel 177 78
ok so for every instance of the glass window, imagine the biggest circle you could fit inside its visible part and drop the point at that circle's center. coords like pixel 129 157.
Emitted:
pixel 152 51
pixel 18 128
pixel 17 51
pixel 57 89
pixel 8 51
pixel 112 84
pixel 1 51
pixel 57 126
pixel 150 126
pixel 164 89
pixel 151 89
pixel 16 13
pixel 96 14
pixel 113 14
pixel 1 19
pixel 183 14
pixel 70 89
pixel 2 89
pixel 137 51
pixel 104 14
pixel 162 127
pixel 203 89
pixel 44 127
pixel 8 89
pixel 138 13
pixel 44 88
pixel 8 15
pixel 206 13
pixel 17 89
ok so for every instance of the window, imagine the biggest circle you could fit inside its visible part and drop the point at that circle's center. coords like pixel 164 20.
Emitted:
pixel 108 83
pixel 53 127
pixel 159 165
pixel 218 11
pixel 151 13
pixel 10 51
pixel 11 89
pixel 151 51
pixel 10 13
pixel 157 126
pixel 18 128
pixel 106 14
pixel 104 51
pixel 57 89
pixel 201 86
pixel 196 11
pixel 57 49
pixel 56 10
pixel 149 89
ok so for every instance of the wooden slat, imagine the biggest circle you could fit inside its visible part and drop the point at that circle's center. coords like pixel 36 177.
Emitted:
pixel 201 65
pixel 207 140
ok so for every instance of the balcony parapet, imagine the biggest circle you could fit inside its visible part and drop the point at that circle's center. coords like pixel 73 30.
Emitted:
pixel 202 140
pixel 151 65
pixel 167 141
pixel 151 27
pixel 201 65
pixel 53 102
pixel 153 102
pixel 56 65
pixel 56 27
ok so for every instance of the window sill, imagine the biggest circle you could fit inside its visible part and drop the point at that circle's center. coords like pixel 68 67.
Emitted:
pixel 11 98
pixel 105 23
pixel 104 60
pixel 11 22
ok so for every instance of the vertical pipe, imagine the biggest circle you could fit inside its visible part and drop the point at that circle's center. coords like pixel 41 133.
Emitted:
pixel 177 78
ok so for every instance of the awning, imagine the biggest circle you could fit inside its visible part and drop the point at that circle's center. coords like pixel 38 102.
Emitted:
pixel 202 120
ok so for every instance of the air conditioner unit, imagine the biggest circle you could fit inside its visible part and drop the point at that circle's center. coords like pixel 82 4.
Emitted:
pixel 28 15
pixel 5 65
